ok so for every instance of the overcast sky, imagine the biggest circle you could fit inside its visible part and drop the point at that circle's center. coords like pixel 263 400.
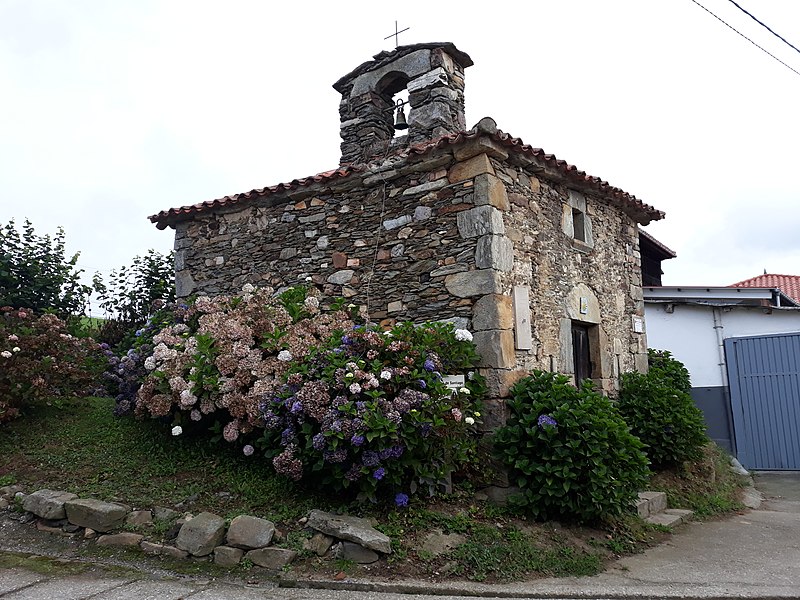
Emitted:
pixel 111 111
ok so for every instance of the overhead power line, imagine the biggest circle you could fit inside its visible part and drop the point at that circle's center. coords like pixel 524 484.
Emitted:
pixel 765 26
pixel 747 38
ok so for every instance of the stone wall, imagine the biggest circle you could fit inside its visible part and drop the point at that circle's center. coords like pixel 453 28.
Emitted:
pixel 464 231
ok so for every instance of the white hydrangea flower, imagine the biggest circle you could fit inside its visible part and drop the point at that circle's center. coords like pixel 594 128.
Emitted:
pixel 284 356
pixel 386 375
pixel 15 349
pixel 469 421
pixel 5 354
pixel 177 430
pixel 464 390
pixel 355 388
pixel 248 288
pixel 150 363
pixel 311 303
pixel 462 335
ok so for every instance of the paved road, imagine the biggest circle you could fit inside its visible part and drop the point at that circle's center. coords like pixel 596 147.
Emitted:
pixel 752 555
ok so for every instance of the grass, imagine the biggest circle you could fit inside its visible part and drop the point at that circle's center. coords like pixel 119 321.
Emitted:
pixel 709 487
pixel 81 447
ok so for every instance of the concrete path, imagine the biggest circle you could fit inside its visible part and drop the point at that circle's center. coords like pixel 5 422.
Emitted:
pixel 752 555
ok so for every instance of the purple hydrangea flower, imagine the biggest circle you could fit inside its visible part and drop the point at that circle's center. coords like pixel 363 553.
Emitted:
pixel 297 407
pixel 422 384
pixel 379 473
pixel 357 440
pixel 429 365
pixel 546 421
pixel 401 499
pixel 335 456
pixel 287 436
pixel 425 429
pixel 318 442
pixel 370 458
pixel 248 450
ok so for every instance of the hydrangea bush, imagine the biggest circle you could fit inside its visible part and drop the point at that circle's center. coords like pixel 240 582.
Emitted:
pixel 40 359
pixel 319 396
pixel 569 451
pixel 369 411
pixel 661 413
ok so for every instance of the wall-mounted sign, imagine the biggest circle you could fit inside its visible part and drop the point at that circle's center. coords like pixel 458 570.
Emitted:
pixel 638 324
pixel 453 382
pixel 584 308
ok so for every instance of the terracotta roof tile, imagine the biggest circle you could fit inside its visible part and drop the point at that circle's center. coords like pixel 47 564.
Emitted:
pixel 163 218
pixel 645 212
pixel 788 284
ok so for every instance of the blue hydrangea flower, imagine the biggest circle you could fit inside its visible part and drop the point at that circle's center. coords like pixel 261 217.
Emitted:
pixel 422 384
pixel 429 365
pixel 379 473
pixel 297 407
pixel 401 499
pixel 357 440
pixel 318 442
pixel 545 421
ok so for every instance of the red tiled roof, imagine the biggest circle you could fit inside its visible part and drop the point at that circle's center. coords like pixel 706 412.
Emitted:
pixel 570 172
pixel 788 284
pixel 173 214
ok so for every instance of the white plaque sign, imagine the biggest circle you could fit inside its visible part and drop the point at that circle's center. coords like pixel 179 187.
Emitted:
pixel 453 382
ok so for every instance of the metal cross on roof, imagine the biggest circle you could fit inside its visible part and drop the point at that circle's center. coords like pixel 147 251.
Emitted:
pixel 396 33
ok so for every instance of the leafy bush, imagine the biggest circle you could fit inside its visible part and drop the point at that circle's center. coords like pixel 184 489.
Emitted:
pixel 133 295
pixel 659 411
pixel 569 451
pixel 40 359
pixel 347 406
pixel 368 410
pixel 35 273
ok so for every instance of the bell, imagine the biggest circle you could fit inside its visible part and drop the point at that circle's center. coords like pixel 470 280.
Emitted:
pixel 400 120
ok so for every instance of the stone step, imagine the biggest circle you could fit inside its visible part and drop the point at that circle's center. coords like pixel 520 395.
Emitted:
pixel 670 517
pixel 650 503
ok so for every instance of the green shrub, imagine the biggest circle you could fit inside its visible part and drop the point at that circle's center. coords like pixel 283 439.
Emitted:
pixel 569 451
pixel 661 413
pixel 36 274
pixel 133 295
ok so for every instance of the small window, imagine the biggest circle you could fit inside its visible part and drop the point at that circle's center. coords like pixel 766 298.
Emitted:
pixel 579 225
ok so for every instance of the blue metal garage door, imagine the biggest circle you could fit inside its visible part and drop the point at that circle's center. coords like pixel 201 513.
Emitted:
pixel 764 376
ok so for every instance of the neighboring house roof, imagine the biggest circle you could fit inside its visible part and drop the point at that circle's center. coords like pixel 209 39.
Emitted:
pixel 788 284
pixel 644 213
pixel 657 248
pixel 719 296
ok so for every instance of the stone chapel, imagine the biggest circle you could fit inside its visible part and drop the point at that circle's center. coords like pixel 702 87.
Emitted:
pixel 540 261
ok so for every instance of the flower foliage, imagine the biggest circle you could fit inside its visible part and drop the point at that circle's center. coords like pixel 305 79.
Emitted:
pixel 569 451
pixel 368 411
pixel 343 405
pixel 39 359
pixel 660 411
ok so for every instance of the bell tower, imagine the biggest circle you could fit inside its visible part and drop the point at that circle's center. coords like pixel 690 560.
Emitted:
pixel 432 73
